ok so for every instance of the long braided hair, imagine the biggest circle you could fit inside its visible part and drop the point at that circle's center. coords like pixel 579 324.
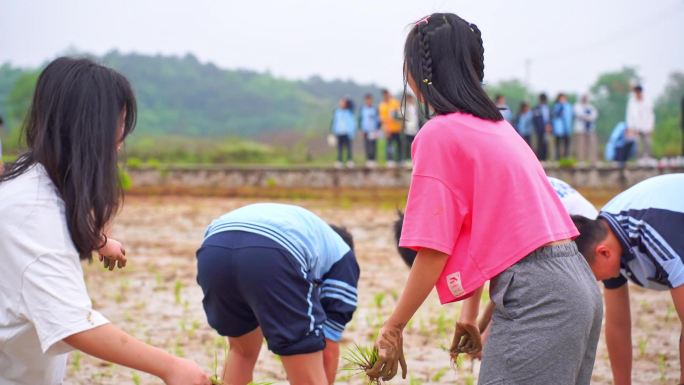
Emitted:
pixel 444 59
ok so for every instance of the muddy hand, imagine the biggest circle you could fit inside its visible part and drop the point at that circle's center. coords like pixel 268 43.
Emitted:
pixel 466 340
pixel 390 347
pixel 113 254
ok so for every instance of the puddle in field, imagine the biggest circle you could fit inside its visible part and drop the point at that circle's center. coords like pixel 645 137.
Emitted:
pixel 156 298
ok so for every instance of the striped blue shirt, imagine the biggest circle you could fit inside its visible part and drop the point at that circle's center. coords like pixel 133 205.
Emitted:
pixel 648 220
pixel 312 242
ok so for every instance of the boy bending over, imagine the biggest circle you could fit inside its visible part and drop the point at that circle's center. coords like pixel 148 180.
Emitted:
pixel 278 272
pixel 638 236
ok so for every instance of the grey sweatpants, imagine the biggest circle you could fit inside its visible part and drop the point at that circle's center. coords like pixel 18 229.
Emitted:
pixel 546 321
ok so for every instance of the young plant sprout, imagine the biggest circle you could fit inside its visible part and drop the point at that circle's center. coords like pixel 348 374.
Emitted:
pixel 361 358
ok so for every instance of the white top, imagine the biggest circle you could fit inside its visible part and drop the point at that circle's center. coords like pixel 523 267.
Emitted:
pixel 585 117
pixel 573 201
pixel 43 297
pixel 640 115
pixel 411 125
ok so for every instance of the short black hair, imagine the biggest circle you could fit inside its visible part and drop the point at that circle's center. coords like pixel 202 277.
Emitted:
pixel 543 98
pixel 407 255
pixel 344 234
pixel 592 231
pixel 368 96
pixel 384 91
pixel 638 88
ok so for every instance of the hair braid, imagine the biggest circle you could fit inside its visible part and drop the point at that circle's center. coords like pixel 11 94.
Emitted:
pixel 479 66
pixel 426 57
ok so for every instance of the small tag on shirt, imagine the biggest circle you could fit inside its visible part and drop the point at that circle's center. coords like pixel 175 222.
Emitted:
pixel 454 284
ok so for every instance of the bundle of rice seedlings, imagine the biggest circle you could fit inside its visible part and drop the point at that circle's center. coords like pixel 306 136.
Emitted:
pixel 361 358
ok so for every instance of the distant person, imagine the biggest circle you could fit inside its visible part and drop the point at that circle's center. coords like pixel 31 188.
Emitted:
pixel 278 272
pixel 562 126
pixel 585 131
pixel 621 146
pixel 369 121
pixel 682 123
pixel 506 112
pixel 523 123
pixel 411 124
pixel 637 237
pixel 343 126
pixel 542 126
pixel 640 121
pixel 2 129
pixel 56 201
pixel 390 117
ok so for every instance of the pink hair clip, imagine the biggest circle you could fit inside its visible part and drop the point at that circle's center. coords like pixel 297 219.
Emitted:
pixel 423 20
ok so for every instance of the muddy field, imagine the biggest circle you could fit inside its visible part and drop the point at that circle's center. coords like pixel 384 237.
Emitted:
pixel 157 300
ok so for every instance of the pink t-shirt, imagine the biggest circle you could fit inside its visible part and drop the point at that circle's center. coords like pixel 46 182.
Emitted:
pixel 479 195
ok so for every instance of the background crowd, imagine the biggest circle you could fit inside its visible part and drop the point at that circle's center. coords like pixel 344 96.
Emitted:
pixel 557 131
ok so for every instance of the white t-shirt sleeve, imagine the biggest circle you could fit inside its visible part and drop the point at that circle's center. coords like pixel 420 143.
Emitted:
pixel 576 204
pixel 56 301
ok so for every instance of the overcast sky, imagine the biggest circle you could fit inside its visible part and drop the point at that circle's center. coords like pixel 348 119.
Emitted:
pixel 567 43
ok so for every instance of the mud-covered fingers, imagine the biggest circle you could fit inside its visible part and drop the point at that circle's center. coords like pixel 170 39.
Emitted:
pixel 402 362
pixel 375 371
pixel 390 370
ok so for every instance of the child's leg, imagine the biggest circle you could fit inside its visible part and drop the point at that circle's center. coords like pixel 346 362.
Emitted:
pixel 242 356
pixel 305 369
pixel 340 146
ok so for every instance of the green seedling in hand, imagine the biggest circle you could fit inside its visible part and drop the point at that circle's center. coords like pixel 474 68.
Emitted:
pixel 359 359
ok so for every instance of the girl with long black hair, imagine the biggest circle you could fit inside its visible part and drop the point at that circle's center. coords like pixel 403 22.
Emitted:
pixel 481 208
pixel 55 203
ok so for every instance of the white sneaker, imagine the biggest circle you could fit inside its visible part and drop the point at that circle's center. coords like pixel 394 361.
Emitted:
pixel 350 164
pixel 338 165
pixel 408 164
pixel 371 164
pixel 391 164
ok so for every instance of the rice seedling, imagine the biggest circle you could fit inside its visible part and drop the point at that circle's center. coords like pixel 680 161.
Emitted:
pixel 136 378
pixel 643 341
pixel 378 298
pixel 441 323
pixel 158 279
pixel 669 312
pixel 415 381
pixel 76 361
pixel 662 367
pixel 359 359
pixel 468 380
pixel 215 379
pixel 177 292
pixel 178 349
pixel 439 374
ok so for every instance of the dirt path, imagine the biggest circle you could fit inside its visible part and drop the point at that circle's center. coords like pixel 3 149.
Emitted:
pixel 156 299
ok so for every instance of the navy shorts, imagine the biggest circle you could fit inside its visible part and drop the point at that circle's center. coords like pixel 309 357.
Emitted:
pixel 248 281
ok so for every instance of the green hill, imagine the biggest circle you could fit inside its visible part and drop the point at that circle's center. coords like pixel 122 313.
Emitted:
pixel 181 96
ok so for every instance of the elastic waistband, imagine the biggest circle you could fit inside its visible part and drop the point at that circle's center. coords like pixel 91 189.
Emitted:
pixel 563 250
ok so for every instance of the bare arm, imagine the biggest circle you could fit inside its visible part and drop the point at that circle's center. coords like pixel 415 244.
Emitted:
pixel 471 308
pixel 424 273
pixel 678 299
pixel 331 358
pixel 109 343
pixel 619 334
